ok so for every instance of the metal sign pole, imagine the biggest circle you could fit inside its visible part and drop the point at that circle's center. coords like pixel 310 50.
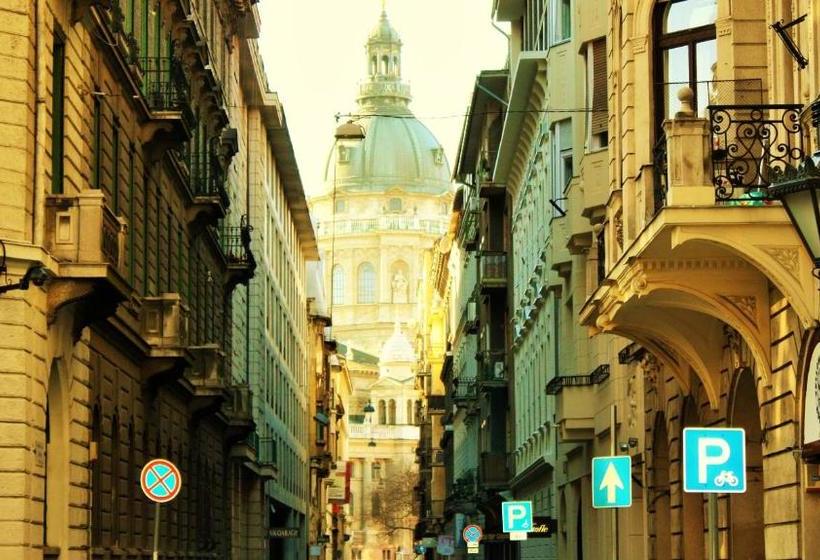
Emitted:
pixel 156 533
pixel 714 543
pixel 612 451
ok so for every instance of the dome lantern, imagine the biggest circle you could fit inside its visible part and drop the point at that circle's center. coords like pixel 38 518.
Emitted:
pixel 383 91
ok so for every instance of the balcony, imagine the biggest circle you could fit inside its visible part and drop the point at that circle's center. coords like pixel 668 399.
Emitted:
pixel 410 224
pixel 236 248
pixel 461 496
pixel 492 271
pixel 204 379
pixel 574 415
pixel 464 392
pixel 206 181
pixel 167 93
pixel 492 472
pixel 164 328
pixel 88 240
pixel 238 412
pixel 492 370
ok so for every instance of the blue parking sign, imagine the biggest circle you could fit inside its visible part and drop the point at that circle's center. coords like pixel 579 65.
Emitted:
pixel 516 517
pixel 714 460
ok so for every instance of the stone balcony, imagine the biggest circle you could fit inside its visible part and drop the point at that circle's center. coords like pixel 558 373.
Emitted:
pixel 164 328
pixel 88 241
pixel 574 393
pixel 205 379
pixel 238 412
pixel 492 271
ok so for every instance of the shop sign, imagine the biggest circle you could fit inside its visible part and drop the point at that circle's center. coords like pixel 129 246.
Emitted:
pixel 542 528
pixel 283 533
pixel 338 488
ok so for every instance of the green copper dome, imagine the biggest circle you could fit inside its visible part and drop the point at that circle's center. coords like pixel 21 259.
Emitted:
pixel 398 150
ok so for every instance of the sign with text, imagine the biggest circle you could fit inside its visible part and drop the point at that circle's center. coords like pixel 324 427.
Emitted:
pixel 714 460
pixel 283 533
pixel 338 485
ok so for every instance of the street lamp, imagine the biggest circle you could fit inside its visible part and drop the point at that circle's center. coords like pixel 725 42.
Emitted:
pixel 799 191
pixel 36 275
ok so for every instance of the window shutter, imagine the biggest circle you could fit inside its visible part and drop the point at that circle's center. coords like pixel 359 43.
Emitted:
pixel 600 115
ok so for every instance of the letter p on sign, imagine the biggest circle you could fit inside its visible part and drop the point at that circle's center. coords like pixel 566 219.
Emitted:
pixel 516 517
pixel 714 460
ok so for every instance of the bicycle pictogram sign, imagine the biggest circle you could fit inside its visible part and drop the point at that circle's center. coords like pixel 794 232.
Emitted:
pixel 161 480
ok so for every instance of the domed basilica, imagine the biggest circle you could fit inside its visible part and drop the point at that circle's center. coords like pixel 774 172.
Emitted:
pixel 385 200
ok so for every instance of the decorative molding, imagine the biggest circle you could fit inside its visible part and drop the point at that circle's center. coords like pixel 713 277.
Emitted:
pixel 788 256
pixel 747 305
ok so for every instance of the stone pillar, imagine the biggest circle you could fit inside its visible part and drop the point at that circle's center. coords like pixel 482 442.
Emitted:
pixel 688 156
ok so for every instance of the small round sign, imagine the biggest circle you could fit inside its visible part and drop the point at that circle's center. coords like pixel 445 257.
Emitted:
pixel 161 480
pixel 472 534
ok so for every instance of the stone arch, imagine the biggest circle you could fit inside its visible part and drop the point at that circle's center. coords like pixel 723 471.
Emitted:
pixel 746 527
pixel 57 442
pixel 382 412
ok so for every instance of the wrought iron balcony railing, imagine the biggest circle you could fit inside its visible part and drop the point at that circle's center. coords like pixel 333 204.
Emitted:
pixel 493 269
pixel 464 390
pixel 166 87
pixel 598 376
pixel 748 143
pixel 206 177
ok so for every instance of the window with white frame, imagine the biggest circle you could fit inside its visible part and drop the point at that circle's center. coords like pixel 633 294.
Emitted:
pixel 596 95
pixel 561 20
pixel 562 164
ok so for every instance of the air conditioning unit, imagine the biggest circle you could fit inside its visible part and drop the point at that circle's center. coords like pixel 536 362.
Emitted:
pixel 498 370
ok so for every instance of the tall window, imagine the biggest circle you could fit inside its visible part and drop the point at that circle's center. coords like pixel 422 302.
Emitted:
pixel 686 54
pixel 338 285
pixel 96 146
pixel 562 20
pixel 382 412
pixel 96 477
pixel 57 111
pixel 367 283
pixel 561 160
pixel 394 205
pixel 409 418
pixel 597 99
pixel 115 479
pixel 115 167
pixel 391 412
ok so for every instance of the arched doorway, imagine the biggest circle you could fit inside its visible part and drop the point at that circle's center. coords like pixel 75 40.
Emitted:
pixel 55 509
pixel 693 525
pixel 660 495
pixel 746 510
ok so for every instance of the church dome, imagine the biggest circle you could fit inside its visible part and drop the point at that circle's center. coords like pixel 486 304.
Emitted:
pixel 398 151
pixel 397 349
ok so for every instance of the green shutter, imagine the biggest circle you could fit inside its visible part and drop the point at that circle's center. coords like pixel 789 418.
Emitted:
pixel 96 158
pixel 115 168
pixel 131 223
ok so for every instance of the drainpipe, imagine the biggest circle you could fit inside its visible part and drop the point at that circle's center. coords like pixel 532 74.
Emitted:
pixel 38 194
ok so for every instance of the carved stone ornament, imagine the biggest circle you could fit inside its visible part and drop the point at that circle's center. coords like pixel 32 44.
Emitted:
pixel 788 257
pixel 745 304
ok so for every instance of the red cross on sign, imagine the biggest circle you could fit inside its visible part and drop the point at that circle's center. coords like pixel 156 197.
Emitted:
pixel 161 480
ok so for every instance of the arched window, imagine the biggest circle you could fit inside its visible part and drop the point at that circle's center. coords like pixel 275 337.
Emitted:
pixel 391 412
pixel 374 66
pixel 338 285
pixel 396 67
pixel 394 205
pixel 385 65
pixel 409 418
pixel 686 53
pixel 382 413
pixel 367 283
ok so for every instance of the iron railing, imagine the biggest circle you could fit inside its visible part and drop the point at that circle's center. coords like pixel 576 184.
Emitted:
pixel 493 268
pixel 661 175
pixel 206 176
pixel 235 242
pixel 748 143
pixel 630 353
pixel 166 86
pixel 598 375
pixel 464 390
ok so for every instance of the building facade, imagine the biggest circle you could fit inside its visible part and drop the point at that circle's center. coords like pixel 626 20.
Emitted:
pixel 132 163
pixel 656 283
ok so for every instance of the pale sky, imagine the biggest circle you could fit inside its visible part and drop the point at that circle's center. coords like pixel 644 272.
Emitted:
pixel 314 57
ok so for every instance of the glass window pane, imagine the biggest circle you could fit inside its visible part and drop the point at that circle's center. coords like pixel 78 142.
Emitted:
pixel 676 76
pixel 706 62
pixel 689 15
